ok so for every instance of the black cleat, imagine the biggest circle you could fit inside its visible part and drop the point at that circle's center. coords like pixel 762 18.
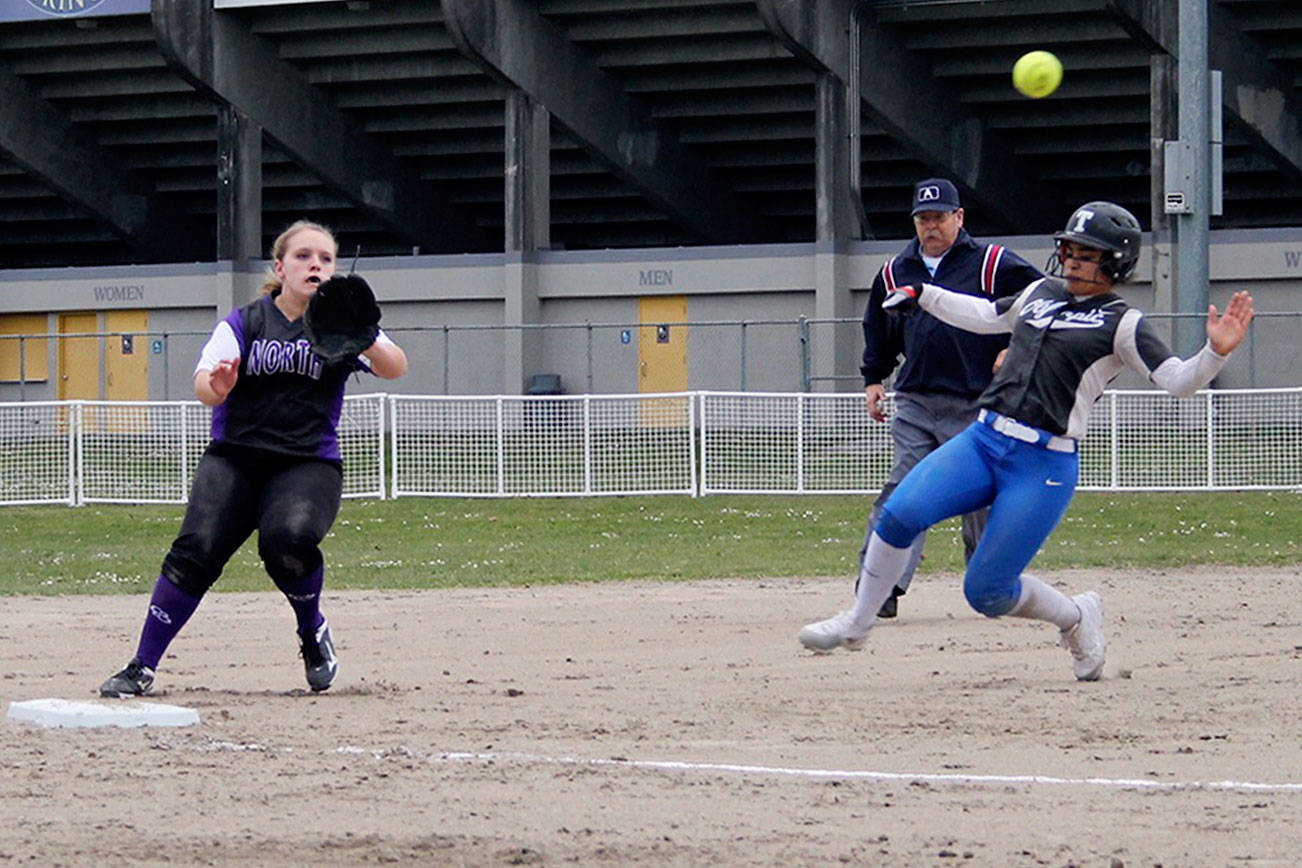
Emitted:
pixel 136 679
pixel 891 607
pixel 318 653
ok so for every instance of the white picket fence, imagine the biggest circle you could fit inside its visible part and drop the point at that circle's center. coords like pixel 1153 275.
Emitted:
pixel 689 443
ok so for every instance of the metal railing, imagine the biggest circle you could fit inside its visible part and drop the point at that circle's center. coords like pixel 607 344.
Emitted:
pixel 745 355
pixel 688 443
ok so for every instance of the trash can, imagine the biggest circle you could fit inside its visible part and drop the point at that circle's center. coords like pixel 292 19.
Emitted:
pixel 538 414
pixel 544 384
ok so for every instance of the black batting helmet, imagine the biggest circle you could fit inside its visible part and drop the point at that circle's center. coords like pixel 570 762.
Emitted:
pixel 1107 227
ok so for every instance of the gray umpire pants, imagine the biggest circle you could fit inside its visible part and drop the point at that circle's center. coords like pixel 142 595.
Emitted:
pixel 922 422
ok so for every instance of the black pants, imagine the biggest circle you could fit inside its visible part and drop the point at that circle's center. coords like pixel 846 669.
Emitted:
pixel 290 502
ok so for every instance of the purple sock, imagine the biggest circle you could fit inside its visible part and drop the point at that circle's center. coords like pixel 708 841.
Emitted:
pixel 304 596
pixel 169 609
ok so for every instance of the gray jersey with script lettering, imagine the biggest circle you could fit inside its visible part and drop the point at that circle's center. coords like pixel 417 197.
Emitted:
pixel 1064 351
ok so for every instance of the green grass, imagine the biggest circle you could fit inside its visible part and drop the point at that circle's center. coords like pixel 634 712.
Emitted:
pixel 434 543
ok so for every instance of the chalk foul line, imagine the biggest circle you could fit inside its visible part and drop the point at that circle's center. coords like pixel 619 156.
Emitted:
pixel 864 775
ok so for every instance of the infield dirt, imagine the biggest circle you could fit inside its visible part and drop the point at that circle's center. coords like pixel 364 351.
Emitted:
pixel 675 723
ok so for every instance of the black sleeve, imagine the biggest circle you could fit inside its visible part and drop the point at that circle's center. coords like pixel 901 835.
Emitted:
pixel 883 337
pixel 1014 274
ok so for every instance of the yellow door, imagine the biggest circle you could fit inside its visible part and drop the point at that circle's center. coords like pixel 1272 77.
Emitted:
pixel 23 359
pixel 662 358
pixel 126 360
pixel 662 344
pixel 78 357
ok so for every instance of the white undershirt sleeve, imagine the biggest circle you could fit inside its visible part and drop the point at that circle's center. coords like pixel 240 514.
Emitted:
pixel 380 338
pixel 1183 377
pixel 966 311
pixel 1139 348
pixel 221 346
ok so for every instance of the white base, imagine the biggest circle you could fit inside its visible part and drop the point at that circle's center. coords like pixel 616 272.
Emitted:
pixel 65 712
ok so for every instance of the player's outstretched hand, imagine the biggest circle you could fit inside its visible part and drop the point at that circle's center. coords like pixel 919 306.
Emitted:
pixel 222 377
pixel 902 299
pixel 1226 331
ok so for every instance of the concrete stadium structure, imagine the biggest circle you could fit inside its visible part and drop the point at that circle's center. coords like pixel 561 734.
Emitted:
pixel 632 163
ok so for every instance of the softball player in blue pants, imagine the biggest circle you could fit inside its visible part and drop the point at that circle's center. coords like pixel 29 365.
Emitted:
pixel 1026 486
pixel 1071 335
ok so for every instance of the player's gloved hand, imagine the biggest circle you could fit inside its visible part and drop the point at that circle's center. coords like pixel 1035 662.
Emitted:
pixel 902 299
pixel 342 318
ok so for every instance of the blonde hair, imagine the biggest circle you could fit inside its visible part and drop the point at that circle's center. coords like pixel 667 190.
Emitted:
pixel 281 244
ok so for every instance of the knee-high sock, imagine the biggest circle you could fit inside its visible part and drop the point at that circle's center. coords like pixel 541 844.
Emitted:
pixel 1045 603
pixel 883 564
pixel 169 609
pixel 304 596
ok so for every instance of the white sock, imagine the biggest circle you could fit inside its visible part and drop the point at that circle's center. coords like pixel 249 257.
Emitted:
pixel 1045 603
pixel 883 564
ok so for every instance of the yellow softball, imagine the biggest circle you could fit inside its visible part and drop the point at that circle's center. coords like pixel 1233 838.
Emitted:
pixel 1037 74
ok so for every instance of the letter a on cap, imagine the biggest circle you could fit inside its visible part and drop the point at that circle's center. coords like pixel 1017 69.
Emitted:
pixel 934 194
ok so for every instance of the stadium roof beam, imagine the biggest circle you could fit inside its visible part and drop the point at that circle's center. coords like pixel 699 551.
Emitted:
pixel 42 140
pixel 922 114
pixel 1258 97
pixel 222 58
pixel 510 40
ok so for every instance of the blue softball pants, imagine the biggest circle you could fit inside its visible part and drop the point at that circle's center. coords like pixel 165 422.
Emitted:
pixel 1026 485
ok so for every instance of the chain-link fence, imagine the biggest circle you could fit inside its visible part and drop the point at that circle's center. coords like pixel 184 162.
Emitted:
pixel 771 355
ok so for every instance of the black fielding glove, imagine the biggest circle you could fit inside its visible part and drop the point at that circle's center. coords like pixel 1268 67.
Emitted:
pixel 342 318
pixel 902 299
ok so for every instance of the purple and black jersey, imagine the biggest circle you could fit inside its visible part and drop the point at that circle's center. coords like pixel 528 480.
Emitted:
pixel 286 400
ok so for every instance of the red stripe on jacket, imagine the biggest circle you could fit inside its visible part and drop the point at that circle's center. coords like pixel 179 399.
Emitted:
pixel 887 276
pixel 988 268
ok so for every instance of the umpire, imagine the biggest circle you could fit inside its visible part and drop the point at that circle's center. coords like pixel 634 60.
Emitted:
pixel 945 368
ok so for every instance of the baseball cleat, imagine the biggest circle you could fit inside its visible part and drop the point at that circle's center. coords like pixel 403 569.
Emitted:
pixel 1085 641
pixel 891 607
pixel 135 680
pixel 837 631
pixel 318 653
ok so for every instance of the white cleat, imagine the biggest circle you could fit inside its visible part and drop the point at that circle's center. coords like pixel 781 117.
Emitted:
pixel 836 632
pixel 1085 641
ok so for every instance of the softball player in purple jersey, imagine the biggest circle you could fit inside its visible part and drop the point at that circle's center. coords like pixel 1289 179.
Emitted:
pixel 273 464
pixel 1071 335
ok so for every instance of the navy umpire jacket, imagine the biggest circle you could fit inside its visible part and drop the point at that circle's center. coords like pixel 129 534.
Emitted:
pixel 940 357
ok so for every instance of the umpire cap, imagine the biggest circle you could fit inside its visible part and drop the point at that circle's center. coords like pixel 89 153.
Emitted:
pixel 934 194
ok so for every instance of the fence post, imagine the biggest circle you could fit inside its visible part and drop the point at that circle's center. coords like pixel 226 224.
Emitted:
pixel 588 328
pixel 76 483
pixel 185 454
pixel 379 451
pixel 802 327
pixel 501 447
pixel 702 480
pixel 22 368
pixel 1252 357
pixel 587 441
pixel 800 443
pixel 1211 436
pixel 1114 456
pixel 446 357
pixel 692 403
pixel 391 404
pixel 743 355
pixel 167 384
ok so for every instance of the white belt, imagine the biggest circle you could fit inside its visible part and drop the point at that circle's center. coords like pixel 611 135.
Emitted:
pixel 1026 433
